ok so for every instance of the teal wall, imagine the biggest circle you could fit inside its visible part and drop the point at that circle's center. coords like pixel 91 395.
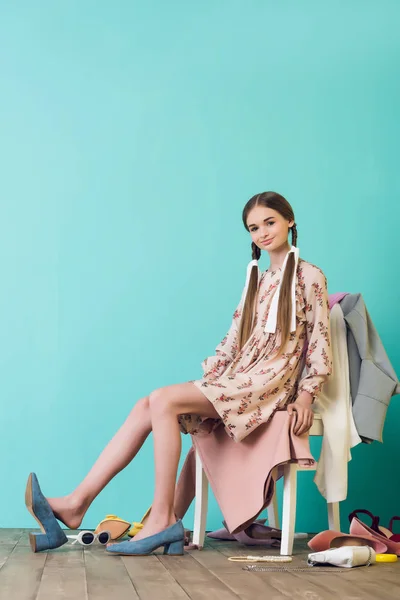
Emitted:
pixel 132 133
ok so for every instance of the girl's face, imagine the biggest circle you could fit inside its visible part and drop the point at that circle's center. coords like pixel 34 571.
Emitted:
pixel 268 229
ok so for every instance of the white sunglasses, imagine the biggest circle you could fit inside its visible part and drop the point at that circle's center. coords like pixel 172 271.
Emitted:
pixel 86 538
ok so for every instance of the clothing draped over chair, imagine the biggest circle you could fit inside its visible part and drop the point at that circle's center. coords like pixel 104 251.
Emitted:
pixel 334 406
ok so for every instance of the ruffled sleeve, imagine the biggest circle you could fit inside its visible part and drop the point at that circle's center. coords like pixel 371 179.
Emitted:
pixel 225 352
pixel 319 351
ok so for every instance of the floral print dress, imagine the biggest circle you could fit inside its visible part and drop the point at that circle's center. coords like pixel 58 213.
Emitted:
pixel 247 387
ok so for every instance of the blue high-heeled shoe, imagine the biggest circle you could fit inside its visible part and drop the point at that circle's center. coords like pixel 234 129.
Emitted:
pixel 171 538
pixel 52 535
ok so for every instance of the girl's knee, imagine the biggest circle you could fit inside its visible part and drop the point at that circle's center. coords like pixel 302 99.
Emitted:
pixel 160 400
pixel 143 404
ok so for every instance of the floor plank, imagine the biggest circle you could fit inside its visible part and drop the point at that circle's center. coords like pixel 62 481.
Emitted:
pixel 247 586
pixel 63 575
pixel 152 579
pixel 21 574
pixel 5 552
pixel 197 581
pixel 343 587
pixel 11 537
pixel 107 577
pixel 374 584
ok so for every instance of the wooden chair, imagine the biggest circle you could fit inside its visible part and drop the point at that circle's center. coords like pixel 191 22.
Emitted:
pixel 289 501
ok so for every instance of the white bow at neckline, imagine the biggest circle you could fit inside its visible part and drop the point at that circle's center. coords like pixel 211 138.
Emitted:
pixel 270 326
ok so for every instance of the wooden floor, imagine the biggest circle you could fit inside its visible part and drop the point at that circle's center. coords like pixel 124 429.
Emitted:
pixel 73 573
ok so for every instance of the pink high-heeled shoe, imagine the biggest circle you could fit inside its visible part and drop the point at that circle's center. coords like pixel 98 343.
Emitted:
pixel 334 539
pixel 357 527
pixel 394 537
pixel 375 526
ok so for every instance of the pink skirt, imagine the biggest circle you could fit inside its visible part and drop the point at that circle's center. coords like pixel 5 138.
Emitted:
pixel 242 474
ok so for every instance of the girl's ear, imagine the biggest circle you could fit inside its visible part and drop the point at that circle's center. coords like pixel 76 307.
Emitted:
pixel 291 223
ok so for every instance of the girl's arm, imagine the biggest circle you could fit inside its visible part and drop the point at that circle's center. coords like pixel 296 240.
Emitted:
pixel 319 351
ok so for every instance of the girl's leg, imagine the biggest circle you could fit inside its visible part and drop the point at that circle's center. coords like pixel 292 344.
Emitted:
pixel 185 490
pixel 116 456
pixel 166 404
pixel 147 414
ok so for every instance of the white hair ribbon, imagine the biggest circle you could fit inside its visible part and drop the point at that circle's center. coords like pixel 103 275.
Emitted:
pixel 270 326
pixel 252 263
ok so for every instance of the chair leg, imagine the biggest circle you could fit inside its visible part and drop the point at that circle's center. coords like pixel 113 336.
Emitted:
pixel 201 504
pixel 272 511
pixel 289 508
pixel 334 516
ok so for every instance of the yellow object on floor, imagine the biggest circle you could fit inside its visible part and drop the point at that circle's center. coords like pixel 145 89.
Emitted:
pixel 137 526
pixel 115 525
pixel 386 558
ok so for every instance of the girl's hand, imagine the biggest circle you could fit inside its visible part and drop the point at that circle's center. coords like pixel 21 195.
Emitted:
pixel 303 414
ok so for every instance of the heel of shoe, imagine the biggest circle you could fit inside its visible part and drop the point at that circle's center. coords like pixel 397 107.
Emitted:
pixel 39 542
pixel 43 541
pixel 174 548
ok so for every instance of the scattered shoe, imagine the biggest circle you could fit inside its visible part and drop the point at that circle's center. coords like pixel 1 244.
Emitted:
pixel 258 534
pixel 115 525
pixel 223 533
pixel 335 539
pixel 138 526
pixel 375 526
pixel 171 538
pixel 357 527
pixel 394 537
pixel 52 535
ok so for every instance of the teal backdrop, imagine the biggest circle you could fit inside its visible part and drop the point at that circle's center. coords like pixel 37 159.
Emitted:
pixel 132 134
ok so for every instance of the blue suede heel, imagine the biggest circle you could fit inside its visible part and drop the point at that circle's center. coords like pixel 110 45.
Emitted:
pixel 52 535
pixel 174 549
pixel 171 538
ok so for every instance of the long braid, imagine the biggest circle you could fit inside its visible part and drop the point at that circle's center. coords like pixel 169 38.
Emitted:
pixel 294 234
pixel 285 303
pixel 246 324
pixel 255 251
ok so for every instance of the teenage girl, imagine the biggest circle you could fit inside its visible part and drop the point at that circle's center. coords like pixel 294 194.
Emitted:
pixel 282 319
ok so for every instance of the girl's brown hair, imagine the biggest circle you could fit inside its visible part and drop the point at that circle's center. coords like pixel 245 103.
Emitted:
pixel 282 206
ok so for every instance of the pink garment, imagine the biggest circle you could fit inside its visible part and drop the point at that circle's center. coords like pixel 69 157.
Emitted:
pixel 337 297
pixel 241 476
